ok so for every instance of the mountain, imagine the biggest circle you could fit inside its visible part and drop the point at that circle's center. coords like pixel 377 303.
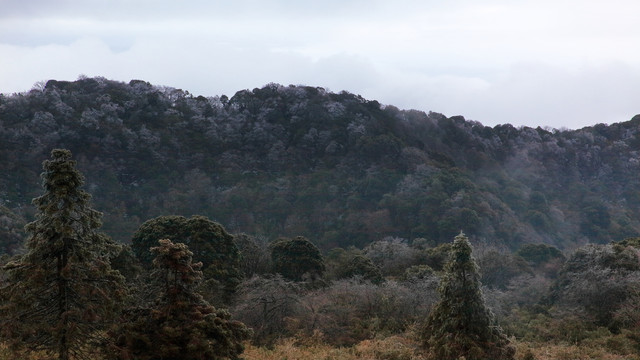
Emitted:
pixel 335 167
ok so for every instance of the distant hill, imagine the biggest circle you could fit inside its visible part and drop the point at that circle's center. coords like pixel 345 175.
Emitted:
pixel 334 167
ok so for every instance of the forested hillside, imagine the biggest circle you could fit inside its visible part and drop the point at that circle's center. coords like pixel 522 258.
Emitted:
pixel 333 167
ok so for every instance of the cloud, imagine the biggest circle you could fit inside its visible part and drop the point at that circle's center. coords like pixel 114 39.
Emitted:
pixel 536 94
pixel 557 63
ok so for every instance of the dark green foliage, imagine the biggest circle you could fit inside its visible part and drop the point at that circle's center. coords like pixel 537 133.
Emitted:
pixel 210 243
pixel 338 262
pixel 460 325
pixel 539 220
pixel 633 242
pixel 126 262
pixel 147 236
pixel 538 254
pixel 596 220
pixel 419 272
pixel 254 255
pixel 11 231
pixel 180 324
pixel 297 259
pixel 543 258
pixel 457 219
pixel 62 292
pixel 362 266
pixel 499 268
pixel 335 167
pixel 538 202
pixel 436 257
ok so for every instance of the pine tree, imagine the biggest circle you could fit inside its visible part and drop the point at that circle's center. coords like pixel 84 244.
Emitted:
pixel 209 242
pixel 180 324
pixel 460 325
pixel 62 291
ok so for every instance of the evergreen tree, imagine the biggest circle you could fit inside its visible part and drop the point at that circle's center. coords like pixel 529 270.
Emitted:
pixel 360 265
pixel 296 259
pixel 460 325
pixel 209 242
pixel 181 324
pixel 62 291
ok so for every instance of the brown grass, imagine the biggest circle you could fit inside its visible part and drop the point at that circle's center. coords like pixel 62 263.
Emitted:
pixel 390 348
pixel 405 348
pixel 569 352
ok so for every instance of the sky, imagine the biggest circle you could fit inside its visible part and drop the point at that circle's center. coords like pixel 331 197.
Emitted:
pixel 551 63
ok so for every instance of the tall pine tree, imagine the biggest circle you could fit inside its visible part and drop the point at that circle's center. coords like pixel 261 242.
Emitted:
pixel 209 242
pixel 62 292
pixel 180 324
pixel 460 325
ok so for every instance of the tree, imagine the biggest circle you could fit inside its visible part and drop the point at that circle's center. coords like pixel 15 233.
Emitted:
pixel 538 254
pixel 461 325
pixel 351 262
pixel 392 255
pixel 62 291
pixel 543 258
pixel 360 265
pixel 267 305
pixel 296 258
pixel 210 243
pixel 181 324
pixel 436 257
pixel 254 255
pixel 596 280
pixel 499 268
pixel 11 231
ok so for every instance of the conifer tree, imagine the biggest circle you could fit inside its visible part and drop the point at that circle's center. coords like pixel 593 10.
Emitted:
pixel 460 325
pixel 180 324
pixel 62 291
pixel 209 242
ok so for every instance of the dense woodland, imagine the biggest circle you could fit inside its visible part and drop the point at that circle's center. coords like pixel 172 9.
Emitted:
pixel 324 220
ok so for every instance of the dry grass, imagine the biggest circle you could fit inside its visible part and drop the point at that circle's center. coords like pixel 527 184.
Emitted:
pixel 405 348
pixel 5 354
pixel 390 348
pixel 569 352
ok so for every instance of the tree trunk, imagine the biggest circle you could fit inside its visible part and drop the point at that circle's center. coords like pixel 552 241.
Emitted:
pixel 63 343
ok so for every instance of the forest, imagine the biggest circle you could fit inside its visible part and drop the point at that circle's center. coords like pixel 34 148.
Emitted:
pixel 293 222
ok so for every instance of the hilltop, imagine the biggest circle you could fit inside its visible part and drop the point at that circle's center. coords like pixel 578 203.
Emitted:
pixel 335 167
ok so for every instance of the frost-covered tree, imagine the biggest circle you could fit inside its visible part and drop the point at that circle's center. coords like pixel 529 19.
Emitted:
pixel 461 325
pixel 62 292
pixel 596 280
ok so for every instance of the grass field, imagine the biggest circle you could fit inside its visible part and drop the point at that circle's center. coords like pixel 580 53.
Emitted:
pixel 405 348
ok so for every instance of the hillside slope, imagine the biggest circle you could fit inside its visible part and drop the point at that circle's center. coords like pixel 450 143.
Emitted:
pixel 334 167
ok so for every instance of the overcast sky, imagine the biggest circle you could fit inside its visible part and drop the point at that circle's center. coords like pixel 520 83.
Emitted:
pixel 557 63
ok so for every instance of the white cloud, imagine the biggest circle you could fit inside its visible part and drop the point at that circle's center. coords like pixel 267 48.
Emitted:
pixel 558 63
